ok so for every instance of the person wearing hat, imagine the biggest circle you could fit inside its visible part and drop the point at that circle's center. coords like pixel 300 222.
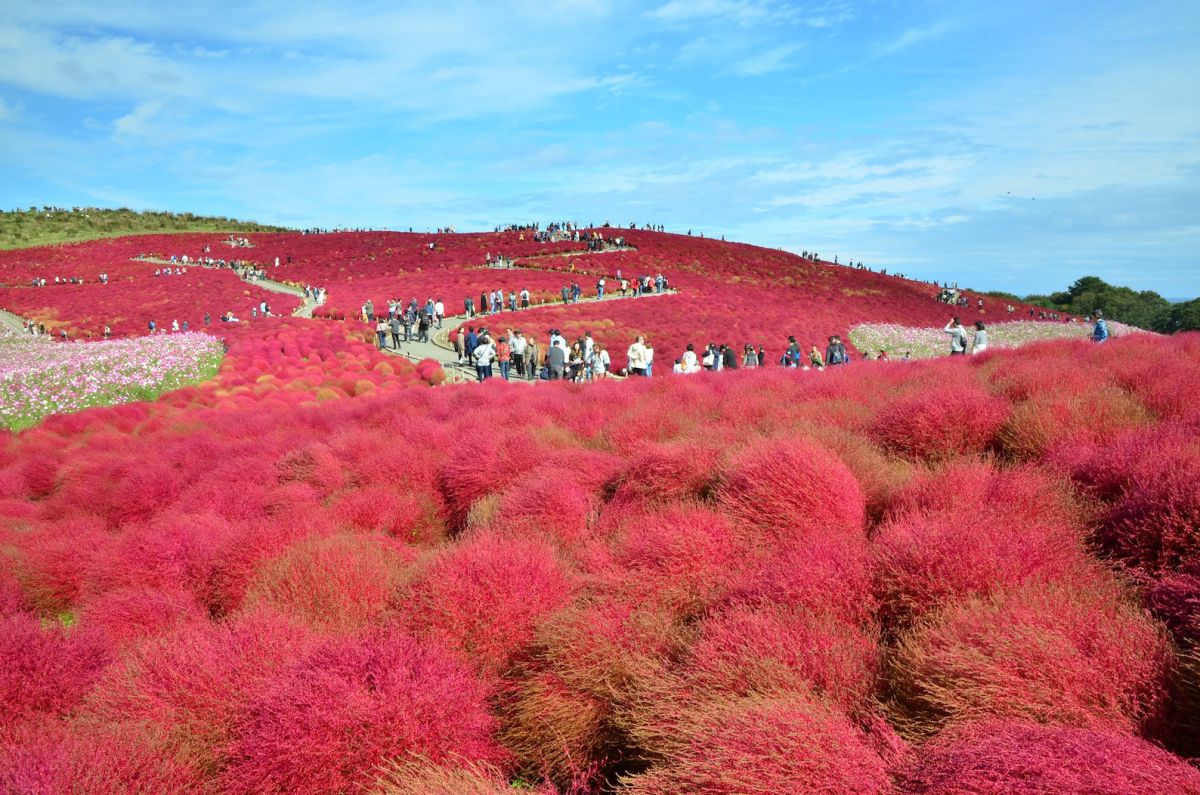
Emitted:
pixel 1100 329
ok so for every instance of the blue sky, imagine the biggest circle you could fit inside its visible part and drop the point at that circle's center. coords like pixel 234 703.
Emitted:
pixel 1015 145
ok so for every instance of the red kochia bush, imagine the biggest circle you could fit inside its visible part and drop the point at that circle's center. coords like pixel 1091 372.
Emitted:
pixel 742 651
pixel 792 488
pixel 94 760
pixel 484 595
pixel 455 778
pixel 1176 600
pixel 830 574
pixel 666 473
pixel 682 558
pixel 190 685
pixel 133 614
pixel 1016 758
pixel 328 723
pixel 934 424
pixel 1074 655
pixel 339 583
pixel 45 672
pixel 764 744
pixel 1047 422
pixel 1153 521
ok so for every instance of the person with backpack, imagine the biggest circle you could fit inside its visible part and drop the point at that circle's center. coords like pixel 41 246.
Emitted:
pixel 1100 329
pixel 485 354
pixel 835 352
pixel 793 353
pixel 958 337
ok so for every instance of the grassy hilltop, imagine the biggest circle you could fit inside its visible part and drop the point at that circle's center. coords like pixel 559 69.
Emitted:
pixel 47 225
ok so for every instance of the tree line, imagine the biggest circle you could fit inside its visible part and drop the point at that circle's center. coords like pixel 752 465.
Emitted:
pixel 1145 309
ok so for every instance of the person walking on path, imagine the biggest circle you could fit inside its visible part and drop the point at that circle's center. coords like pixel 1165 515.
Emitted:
pixel 394 324
pixel 381 329
pixel 958 337
pixel 504 356
pixel 485 354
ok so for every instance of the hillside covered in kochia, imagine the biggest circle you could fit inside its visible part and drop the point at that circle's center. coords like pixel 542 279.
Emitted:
pixel 316 572
pixel 728 293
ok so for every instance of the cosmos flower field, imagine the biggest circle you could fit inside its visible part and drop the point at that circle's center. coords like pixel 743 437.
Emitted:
pixel 321 570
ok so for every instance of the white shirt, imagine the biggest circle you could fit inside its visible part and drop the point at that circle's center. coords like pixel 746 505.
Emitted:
pixel 689 362
pixel 439 309
pixel 637 356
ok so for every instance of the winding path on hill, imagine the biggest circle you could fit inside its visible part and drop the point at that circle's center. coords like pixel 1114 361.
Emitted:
pixel 14 322
pixel 440 348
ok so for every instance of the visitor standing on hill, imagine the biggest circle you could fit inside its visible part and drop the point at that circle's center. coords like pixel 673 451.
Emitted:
pixel 600 289
pixel 815 358
pixel 504 356
pixel 979 342
pixel 958 337
pixel 460 344
pixel 485 353
pixel 381 329
pixel 394 324
pixel 1100 329
pixel 519 347
pixel 835 352
pixel 749 357
pixel 689 363
pixel 439 311
pixel 524 299
pixel 600 362
pixel 793 352
pixel 556 361
pixel 532 361
pixel 637 357
pixel 649 359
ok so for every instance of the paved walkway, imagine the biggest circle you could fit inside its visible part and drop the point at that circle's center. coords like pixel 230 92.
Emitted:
pixel 304 310
pixel 14 323
pixel 441 349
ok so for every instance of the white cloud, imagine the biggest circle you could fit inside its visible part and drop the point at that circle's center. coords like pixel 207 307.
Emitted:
pixel 746 13
pixel 765 62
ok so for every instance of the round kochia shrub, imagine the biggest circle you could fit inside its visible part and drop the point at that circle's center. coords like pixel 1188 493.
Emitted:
pixel 1153 521
pixel 1017 758
pixel 934 424
pixel 764 744
pixel 338 583
pixel 58 758
pixel 46 672
pixel 742 651
pixel 1054 653
pixel 792 488
pixel 326 724
pixel 191 685
pixel 484 595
